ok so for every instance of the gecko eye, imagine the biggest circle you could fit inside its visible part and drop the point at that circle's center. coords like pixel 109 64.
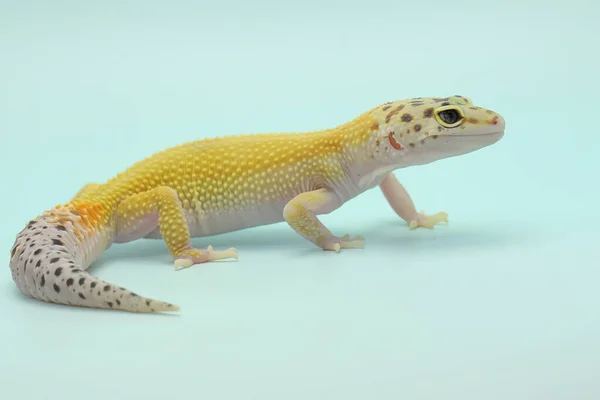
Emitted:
pixel 449 117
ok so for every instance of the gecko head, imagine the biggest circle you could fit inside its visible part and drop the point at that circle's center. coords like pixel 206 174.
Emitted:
pixel 423 130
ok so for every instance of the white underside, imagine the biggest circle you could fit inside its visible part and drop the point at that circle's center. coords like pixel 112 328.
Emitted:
pixel 229 221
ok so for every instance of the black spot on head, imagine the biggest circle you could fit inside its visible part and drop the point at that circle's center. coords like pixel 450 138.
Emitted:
pixel 61 228
pixel 428 113
pixel 393 112
pixel 76 270
pixel 106 288
pixel 407 118
pixel 58 271
pixel 82 296
pixel 417 127
pixel 69 281
pixel 43 281
pixel 37 252
pixel 148 303
pixel 81 281
pixel 56 288
pixel 12 253
pixel 57 242
pixel 93 285
pixel 31 223
pixel 37 265
pixel 118 301
pixel 133 294
pixel 445 103
pixel 56 259
pixel 109 304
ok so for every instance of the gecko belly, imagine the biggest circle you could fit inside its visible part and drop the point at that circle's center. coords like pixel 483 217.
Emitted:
pixel 202 224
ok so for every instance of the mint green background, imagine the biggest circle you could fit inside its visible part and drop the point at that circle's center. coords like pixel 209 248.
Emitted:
pixel 500 304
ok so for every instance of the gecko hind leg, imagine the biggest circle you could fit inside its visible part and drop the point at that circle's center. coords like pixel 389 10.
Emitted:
pixel 142 213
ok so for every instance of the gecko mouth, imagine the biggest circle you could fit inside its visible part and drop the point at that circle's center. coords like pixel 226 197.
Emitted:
pixel 453 135
pixel 477 134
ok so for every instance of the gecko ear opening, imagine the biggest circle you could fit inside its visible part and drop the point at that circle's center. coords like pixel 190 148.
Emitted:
pixel 393 142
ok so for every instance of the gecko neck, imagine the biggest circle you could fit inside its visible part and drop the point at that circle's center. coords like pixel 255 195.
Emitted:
pixel 365 167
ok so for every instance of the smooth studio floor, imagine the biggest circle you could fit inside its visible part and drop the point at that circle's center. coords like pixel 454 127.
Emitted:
pixel 502 303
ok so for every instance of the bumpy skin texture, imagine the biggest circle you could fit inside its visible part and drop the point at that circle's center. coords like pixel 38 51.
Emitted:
pixel 220 185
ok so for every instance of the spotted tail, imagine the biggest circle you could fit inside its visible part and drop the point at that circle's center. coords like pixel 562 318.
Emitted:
pixel 49 258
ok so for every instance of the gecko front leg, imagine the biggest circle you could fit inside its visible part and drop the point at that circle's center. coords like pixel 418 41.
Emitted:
pixel 142 213
pixel 301 214
pixel 403 205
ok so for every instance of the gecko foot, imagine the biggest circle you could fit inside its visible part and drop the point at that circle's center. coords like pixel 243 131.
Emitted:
pixel 428 221
pixel 334 243
pixel 189 257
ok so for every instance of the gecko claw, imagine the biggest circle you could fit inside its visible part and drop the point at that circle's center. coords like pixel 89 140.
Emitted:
pixel 428 221
pixel 345 242
pixel 182 263
pixel 189 257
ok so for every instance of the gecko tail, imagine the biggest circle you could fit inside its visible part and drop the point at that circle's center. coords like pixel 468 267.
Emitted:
pixel 48 262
